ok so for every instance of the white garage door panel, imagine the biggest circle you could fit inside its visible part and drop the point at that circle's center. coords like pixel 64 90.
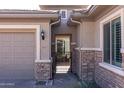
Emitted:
pixel 17 55
pixel 24 49
pixel 22 44
pixel 5 43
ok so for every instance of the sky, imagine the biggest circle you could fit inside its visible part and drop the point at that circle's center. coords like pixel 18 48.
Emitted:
pixel 19 4
pixel 34 4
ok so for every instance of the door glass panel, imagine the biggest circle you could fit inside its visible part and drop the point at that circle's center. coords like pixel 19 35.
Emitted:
pixel 63 48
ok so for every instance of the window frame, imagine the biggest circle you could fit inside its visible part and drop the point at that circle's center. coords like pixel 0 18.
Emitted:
pixel 110 38
pixel 110 18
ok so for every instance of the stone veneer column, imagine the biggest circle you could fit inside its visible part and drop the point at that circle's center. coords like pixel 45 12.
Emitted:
pixel 77 66
pixel 87 65
pixel 122 60
pixel 98 57
pixel 43 71
pixel 92 71
pixel 43 63
pixel 106 78
pixel 89 61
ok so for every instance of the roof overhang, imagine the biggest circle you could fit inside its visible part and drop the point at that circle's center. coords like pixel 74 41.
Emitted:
pixel 28 14
pixel 59 7
pixel 92 13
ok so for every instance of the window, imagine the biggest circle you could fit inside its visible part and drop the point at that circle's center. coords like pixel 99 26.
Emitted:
pixel 112 42
pixel 63 14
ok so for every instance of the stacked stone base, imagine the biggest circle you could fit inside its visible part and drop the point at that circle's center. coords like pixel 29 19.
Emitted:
pixel 91 71
pixel 87 66
pixel 43 71
pixel 108 79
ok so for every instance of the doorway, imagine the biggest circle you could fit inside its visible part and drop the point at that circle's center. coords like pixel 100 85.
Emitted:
pixel 63 53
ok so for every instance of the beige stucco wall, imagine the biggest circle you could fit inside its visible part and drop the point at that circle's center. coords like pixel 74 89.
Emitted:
pixel 78 36
pixel 97 26
pixel 64 29
pixel 87 34
pixel 59 7
pixel 45 44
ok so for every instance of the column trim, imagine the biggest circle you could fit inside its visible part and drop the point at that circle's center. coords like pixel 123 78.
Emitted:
pixel 42 61
pixel 94 49
pixel 38 52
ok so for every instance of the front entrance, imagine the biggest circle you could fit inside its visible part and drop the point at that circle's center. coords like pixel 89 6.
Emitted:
pixel 63 53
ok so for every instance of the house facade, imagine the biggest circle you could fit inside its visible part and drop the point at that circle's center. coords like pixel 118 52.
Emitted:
pixel 32 42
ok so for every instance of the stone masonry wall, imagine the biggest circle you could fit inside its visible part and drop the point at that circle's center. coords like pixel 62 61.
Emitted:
pixel 105 78
pixel 77 66
pixel 43 71
pixel 87 66
pixel 90 71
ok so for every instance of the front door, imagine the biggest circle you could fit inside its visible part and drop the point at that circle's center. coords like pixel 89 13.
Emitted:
pixel 63 53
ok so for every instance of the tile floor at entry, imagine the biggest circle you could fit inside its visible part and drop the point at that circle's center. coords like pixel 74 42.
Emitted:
pixel 66 80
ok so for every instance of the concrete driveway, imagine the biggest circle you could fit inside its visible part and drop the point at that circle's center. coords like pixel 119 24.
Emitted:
pixel 66 80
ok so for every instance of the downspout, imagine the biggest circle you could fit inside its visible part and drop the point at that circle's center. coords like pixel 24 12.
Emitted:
pixel 79 48
pixel 77 22
pixel 51 24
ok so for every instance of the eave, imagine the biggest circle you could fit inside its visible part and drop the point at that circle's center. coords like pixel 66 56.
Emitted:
pixel 28 14
pixel 93 13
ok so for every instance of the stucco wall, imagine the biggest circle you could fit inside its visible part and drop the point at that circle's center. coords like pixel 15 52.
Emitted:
pixel 78 36
pixel 105 77
pixel 64 29
pixel 97 26
pixel 87 34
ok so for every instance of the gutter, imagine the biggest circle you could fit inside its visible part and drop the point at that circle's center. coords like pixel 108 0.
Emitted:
pixel 74 21
pixel 85 12
pixel 51 24
pixel 28 14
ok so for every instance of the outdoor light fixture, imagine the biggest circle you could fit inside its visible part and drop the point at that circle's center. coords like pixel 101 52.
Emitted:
pixel 42 35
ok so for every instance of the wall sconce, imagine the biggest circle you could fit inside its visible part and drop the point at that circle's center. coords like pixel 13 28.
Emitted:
pixel 42 35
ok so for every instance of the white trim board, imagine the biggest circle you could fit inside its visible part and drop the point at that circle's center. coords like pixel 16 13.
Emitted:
pixel 43 61
pixel 95 49
pixel 19 26
pixel 119 13
pixel 122 50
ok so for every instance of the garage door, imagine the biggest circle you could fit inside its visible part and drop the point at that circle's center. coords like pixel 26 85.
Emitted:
pixel 17 55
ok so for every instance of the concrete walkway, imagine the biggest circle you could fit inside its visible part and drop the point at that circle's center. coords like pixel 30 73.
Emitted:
pixel 64 80
pixel 67 80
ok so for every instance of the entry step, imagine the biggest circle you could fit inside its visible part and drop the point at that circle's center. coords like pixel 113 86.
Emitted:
pixel 62 69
